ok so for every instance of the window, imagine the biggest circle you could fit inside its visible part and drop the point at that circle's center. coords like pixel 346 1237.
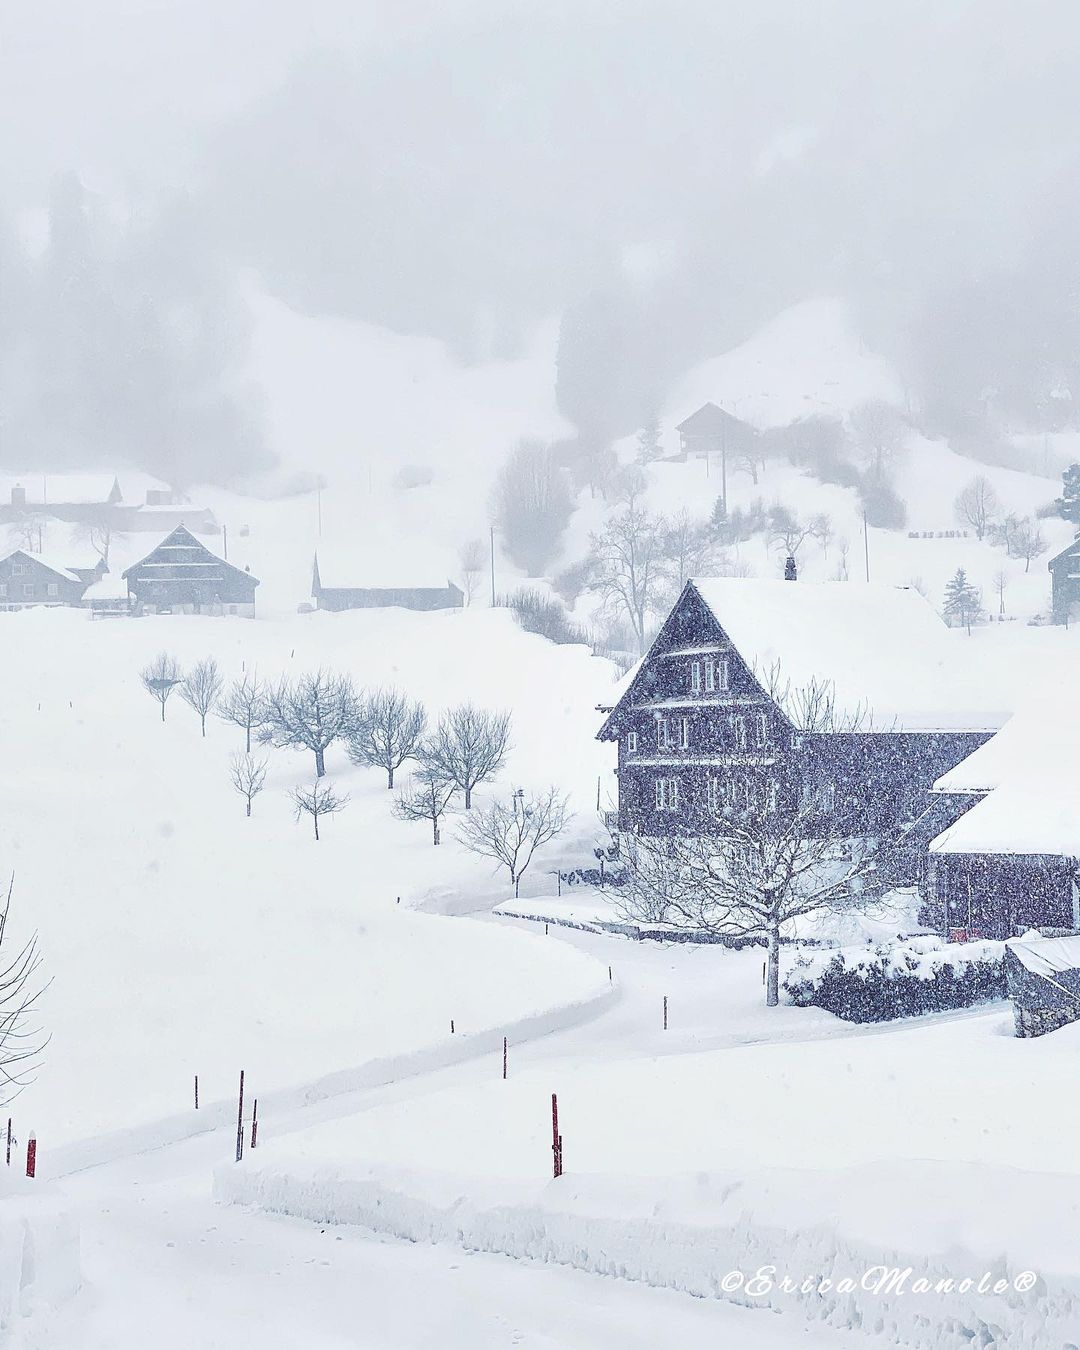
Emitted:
pixel 695 676
pixel 710 676
pixel 631 742
pixel 723 674
pixel 667 794
pixel 761 724
pixel 54 590
pixel 771 795
pixel 738 731
pixel 663 734
pixel 18 569
pixel 3 588
pixel 827 797
pixel 28 590
pixel 684 734
pixel 712 795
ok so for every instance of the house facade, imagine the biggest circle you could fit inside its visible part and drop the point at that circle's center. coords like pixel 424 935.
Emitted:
pixel 1064 571
pixel 182 576
pixel 718 716
pixel 712 431
pixel 26 579
pixel 96 499
pixel 339 598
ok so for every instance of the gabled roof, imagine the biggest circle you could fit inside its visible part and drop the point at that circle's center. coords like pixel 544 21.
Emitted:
pixel 1069 551
pixel 709 419
pixel 879 653
pixel 50 564
pixel 180 541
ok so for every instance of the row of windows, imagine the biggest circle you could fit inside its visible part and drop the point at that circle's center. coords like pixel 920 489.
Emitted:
pixel 675 733
pixel 713 675
pixel 740 794
pixel 28 590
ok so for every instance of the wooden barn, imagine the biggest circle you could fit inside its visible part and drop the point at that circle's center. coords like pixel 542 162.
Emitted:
pixel 182 576
pixel 328 592
pixel 1064 571
pixel 758 693
pixel 712 431
pixel 1010 861
pixel 28 579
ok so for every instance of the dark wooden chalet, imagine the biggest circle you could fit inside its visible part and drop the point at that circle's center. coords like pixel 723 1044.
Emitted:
pixel 756 694
pixel 383 597
pixel 712 431
pixel 182 576
pixel 1064 571
pixel 27 579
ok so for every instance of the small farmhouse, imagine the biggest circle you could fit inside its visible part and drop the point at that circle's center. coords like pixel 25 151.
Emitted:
pixel 756 694
pixel 1065 582
pixel 182 576
pixel 29 579
pixel 328 592
pixel 1011 860
pixel 712 431
pixel 141 505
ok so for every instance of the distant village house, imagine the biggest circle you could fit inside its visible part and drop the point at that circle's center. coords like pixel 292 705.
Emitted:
pixel 182 576
pixel 1065 583
pixel 329 594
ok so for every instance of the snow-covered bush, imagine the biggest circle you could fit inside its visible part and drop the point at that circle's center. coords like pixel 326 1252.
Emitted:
pixel 900 979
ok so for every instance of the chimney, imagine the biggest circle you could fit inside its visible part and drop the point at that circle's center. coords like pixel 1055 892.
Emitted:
pixel 791 572
pixel 18 496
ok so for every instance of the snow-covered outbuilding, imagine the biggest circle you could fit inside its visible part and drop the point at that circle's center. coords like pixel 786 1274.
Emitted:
pixel 1011 861
pixel 387 578
pixel 757 693
pixel 182 576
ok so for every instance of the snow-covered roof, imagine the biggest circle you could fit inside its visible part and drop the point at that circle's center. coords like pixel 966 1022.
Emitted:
pixel 885 657
pixel 85 489
pixel 45 559
pixel 111 586
pixel 1028 773
pixel 363 560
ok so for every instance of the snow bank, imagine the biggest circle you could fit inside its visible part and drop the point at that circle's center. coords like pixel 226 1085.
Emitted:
pixel 40 1265
pixel 753 1239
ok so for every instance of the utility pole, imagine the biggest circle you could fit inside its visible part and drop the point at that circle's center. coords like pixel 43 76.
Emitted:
pixel 866 545
pixel 225 540
pixel 492 537
pixel 318 503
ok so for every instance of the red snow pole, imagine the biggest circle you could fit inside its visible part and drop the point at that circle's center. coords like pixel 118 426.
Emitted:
pixel 240 1121
pixel 31 1155
pixel 504 1057
pixel 9 1141
pixel 254 1121
pixel 196 1092
pixel 556 1137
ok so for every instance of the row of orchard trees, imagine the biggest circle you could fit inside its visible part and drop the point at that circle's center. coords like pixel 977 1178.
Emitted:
pixel 383 728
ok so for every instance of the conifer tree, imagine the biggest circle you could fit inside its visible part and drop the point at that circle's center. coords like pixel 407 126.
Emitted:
pixel 962 600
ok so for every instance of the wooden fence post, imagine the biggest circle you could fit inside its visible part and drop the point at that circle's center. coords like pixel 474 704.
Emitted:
pixel 240 1121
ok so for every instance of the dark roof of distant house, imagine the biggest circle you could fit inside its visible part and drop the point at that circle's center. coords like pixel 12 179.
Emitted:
pixel 1069 551
pixel 181 539
pixel 50 564
pixel 709 418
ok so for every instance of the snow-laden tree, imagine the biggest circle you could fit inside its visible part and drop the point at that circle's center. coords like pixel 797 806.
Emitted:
pixel 879 431
pixel 22 1041
pixel 388 731
pixel 510 831
pixel 467 747
pixel 978 506
pixel 747 872
pixel 318 800
pixel 1027 541
pixel 963 601
pixel 1068 504
pixel 160 678
pixel 247 775
pixel 426 797
pixel 310 712
pixel 201 687
pixel 244 705
pixel 690 547
pixel 472 559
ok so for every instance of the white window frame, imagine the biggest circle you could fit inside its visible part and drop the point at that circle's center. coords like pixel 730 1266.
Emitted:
pixel 827 798
pixel 663 733
pixel 695 676
pixel 684 733
pixel 723 675
pixel 3 588
pixel 660 789
pixel 28 590
pixel 713 794
pixel 631 742
pixel 667 794
pixel 772 796
pixel 738 730
pixel 18 569
pixel 710 676
pixel 761 729
pixel 54 590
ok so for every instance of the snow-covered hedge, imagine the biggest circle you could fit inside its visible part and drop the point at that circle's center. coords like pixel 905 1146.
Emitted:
pixel 899 979
pixel 40 1266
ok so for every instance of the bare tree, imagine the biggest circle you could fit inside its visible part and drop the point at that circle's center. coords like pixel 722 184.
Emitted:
pixel 821 529
pixel 160 678
pixel 318 800
pixel 648 442
pixel 690 548
pixel 244 705
pixel 750 461
pixel 632 568
pixel 201 687
pixel 1001 582
pixel 977 505
pixel 99 533
pixel 310 712
pixel 511 831
pixel 248 775
pixel 790 535
pixel 27 531
pixel 879 431
pixel 1027 541
pixel 471 560
pixel 427 797
pixel 747 872
pixel 532 504
pixel 22 1043
pixel 388 731
pixel 468 747
pixel 843 547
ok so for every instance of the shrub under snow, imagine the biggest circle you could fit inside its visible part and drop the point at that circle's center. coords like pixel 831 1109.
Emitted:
pixel 900 979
